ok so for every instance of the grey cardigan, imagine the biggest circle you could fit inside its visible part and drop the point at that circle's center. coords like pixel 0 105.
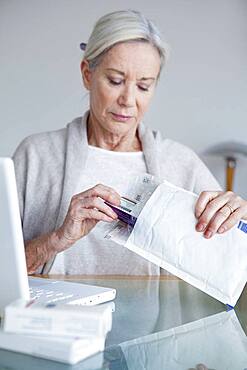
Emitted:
pixel 49 164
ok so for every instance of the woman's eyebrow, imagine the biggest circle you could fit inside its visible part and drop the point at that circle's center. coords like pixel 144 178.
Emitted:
pixel 123 74
pixel 116 70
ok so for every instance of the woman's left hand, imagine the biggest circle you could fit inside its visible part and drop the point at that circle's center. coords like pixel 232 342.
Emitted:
pixel 219 211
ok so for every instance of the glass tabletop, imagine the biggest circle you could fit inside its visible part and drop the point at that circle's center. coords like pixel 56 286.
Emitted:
pixel 161 323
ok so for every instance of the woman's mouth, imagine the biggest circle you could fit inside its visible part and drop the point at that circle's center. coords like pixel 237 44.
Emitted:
pixel 120 117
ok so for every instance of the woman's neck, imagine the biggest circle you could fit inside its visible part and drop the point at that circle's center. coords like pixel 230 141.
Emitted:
pixel 101 138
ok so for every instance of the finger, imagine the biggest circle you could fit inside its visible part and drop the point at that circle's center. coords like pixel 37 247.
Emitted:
pixel 232 220
pixel 99 216
pixel 98 204
pixel 204 198
pixel 217 212
pixel 104 192
pixel 90 214
pixel 213 206
pixel 217 220
pixel 81 205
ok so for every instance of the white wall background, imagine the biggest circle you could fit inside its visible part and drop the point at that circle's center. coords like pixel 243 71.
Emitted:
pixel 201 99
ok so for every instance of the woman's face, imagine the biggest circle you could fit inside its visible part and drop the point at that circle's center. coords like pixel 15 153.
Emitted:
pixel 122 85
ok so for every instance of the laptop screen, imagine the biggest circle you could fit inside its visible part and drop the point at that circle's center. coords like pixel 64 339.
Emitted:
pixel 13 271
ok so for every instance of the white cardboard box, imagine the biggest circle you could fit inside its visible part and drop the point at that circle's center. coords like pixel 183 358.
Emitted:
pixel 26 317
pixel 67 350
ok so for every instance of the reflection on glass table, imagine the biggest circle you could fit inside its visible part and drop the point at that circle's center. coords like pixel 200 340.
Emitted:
pixel 217 341
pixel 161 324
pixel 16 361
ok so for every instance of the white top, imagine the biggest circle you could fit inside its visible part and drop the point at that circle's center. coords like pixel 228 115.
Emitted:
pixel 91 254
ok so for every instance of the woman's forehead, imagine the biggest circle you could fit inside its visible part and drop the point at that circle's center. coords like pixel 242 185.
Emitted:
pixel 138 57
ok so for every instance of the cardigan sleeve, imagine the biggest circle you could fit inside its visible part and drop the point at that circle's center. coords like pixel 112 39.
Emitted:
pixel 20 159
pixel 39 168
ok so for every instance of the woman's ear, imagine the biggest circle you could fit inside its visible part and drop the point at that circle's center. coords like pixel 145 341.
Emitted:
pixel 86 74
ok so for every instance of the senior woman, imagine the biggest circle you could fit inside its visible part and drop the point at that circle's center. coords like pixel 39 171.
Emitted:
pixel 60 174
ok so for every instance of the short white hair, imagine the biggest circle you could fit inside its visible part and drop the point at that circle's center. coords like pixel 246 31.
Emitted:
pixel 122 26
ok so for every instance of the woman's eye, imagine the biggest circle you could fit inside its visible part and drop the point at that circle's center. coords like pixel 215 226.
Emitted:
pixel 143 88
pixel 114 82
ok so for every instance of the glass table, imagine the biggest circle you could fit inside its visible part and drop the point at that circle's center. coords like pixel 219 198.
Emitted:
pixel 160 323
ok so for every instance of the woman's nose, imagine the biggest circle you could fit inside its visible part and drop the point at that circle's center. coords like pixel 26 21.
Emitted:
pixel 127 96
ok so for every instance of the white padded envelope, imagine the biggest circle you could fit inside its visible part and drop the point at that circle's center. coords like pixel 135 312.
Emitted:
pixel 165 235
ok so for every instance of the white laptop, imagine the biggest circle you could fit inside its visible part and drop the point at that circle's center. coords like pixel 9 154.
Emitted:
pixel 14 282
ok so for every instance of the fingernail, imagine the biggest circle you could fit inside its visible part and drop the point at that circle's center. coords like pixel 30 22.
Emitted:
pixel 109 219
pixel 198 214
pixel 208 234
pixel 200 227
pixel 221 230
pixel 117 200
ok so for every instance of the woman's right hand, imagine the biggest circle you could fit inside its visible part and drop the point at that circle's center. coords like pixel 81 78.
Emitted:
pixel 85 211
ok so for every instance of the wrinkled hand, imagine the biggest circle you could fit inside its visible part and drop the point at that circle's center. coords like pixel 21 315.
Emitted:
pixel 86 210
pixel 219 211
